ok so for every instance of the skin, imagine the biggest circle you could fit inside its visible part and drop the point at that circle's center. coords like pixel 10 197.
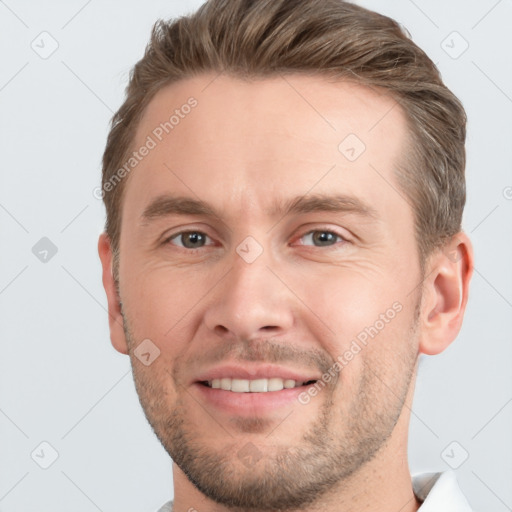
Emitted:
pixel 301 302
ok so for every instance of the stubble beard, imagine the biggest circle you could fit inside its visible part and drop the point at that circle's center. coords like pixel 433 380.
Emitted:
pixel 285 477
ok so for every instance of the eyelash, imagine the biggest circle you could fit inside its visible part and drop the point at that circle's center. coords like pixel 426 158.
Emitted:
pixel 310 232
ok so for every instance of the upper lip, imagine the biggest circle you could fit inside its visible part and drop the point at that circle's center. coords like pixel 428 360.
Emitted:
pixel 251 372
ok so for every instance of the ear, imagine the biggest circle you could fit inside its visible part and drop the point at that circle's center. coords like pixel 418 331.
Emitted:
pixel 115 318
pixel 445 294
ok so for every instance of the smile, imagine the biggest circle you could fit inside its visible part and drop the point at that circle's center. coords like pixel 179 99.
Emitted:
pixel 254 386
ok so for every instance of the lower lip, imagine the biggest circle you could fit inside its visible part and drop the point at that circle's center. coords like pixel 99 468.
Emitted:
pixel 250 403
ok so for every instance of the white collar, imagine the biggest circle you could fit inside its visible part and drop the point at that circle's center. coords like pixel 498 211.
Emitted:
pixel 439 492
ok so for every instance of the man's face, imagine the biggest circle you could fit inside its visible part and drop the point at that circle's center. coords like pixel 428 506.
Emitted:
pixel 308 245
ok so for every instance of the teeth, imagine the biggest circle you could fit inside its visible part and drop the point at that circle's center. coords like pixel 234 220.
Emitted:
pixel 275 384
pixel 240 385
pixel 258 385
pixel 253 386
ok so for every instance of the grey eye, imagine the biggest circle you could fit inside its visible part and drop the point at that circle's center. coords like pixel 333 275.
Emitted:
pixel 321 238
pixel 190 239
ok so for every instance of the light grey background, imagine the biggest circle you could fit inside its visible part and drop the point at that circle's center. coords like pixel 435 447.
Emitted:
pixel 62 383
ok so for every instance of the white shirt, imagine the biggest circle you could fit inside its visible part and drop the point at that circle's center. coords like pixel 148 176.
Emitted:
pixel 438 492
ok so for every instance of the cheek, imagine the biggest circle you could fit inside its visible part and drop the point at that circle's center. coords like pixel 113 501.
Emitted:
pixel 369 314
pixel 349 299
pixel 160 301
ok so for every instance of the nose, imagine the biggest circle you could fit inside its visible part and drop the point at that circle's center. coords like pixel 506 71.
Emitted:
pixel 250 301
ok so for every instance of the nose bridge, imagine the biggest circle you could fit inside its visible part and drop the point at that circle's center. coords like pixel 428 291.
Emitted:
pixel 250 278
pixel 251 298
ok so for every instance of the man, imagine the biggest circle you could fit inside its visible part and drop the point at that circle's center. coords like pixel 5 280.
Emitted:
pixel 284 187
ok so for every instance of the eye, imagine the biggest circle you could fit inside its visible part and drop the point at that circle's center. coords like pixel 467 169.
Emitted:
pixel 189 239
pixel 321 238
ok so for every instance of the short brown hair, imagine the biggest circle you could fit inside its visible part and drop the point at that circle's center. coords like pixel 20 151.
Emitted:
pixel 265 38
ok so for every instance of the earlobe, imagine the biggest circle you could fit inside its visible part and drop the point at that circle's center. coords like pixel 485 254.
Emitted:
pixel 115 317
pixel 445 294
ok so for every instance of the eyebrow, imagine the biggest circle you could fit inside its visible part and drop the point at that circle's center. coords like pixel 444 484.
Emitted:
pixel 167 205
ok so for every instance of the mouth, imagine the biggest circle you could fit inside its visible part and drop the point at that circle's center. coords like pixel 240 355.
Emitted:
pixel 264 385
pixel 252 390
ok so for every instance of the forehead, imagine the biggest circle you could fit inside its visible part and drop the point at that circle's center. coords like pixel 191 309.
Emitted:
pixel 240 142
pixel 326 107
